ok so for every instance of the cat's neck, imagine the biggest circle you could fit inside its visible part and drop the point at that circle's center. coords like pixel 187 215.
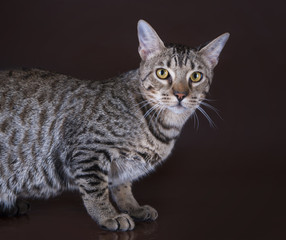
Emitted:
pixel 161 121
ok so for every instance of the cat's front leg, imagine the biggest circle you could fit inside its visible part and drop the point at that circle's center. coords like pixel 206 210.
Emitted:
pixel 122 195
pixel 93 187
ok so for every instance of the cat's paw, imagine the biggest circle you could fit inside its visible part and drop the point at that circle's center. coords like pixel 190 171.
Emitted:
pixel 121 222
pixel 144 213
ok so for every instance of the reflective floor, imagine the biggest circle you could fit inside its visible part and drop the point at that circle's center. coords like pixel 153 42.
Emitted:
pixel 209 206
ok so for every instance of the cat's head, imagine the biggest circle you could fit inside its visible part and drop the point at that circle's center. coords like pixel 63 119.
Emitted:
pixel 174 76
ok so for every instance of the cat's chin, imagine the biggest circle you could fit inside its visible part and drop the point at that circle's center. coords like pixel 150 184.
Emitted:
pixel 178 109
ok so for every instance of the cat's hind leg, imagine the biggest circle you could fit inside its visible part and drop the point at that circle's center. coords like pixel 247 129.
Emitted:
pixel 122 195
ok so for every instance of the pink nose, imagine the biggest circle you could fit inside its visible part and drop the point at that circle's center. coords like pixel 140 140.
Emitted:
pixel 180 96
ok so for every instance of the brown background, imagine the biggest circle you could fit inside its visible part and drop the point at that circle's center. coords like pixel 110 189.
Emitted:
pixel 224 183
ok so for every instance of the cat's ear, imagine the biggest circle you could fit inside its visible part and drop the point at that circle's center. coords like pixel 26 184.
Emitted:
pixel 149 42
pixel 210 53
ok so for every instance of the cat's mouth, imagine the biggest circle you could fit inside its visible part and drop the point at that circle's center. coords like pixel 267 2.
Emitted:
pixel 178 108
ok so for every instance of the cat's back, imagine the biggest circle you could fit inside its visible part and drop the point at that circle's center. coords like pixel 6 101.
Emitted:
pixel 32 83
pixel 33 90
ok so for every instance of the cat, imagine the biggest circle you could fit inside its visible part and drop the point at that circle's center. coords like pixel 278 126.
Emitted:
pixel 59 133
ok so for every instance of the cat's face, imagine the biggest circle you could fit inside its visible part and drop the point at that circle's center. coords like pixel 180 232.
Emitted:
pixel 176 77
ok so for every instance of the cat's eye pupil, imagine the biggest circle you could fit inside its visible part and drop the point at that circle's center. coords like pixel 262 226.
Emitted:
pixel 162 72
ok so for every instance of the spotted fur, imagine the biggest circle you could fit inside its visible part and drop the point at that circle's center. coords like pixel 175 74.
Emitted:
pixel 59 133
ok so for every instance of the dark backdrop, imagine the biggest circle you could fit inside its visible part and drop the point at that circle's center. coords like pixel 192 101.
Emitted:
pixel 220 183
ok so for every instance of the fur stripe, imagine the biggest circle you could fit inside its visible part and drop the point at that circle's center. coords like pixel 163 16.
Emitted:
pixel 192 65
pixel 105 153
pixel 86 161
pixel 99 191
pixel 159 136
pixel 95 168
pixel 47 177
pixel 94 183
pixel 144 155
pixel 167 127
pixel 146 76
pixel 89 176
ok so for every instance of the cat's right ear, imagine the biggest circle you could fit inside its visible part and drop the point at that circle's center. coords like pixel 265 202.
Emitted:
pixel 149 42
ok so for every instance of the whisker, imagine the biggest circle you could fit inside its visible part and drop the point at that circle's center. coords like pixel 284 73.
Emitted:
pixel 211 122
pixel 196 121
pixel 140 103
pixel 156 108
pixel 145 104
pixel 161 109
pixel 206 99
pixel 150 110
pixel 212 108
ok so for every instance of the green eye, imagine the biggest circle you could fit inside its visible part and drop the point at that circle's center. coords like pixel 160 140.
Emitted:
pixel 196 76
pixel 162 73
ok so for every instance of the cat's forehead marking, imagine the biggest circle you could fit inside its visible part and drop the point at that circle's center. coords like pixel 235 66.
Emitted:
pixel 169 63
pixel 180 56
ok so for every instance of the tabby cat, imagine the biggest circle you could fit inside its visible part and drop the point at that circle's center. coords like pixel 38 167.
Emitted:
pixel 59 133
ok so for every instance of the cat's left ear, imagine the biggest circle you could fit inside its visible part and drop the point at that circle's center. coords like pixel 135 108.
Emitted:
pixel 149 42
pixel 210 53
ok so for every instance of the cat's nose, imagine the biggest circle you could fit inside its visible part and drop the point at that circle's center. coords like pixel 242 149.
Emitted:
pixel 180 95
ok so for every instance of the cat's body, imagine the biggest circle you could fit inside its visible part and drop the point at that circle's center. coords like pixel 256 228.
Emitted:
pixel 59 133
pixel 58 110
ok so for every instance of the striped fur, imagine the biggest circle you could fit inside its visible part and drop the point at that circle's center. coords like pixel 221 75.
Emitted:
pixel 59 133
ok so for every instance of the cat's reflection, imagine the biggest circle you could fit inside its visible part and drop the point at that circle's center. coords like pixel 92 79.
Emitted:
pixel 142 230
